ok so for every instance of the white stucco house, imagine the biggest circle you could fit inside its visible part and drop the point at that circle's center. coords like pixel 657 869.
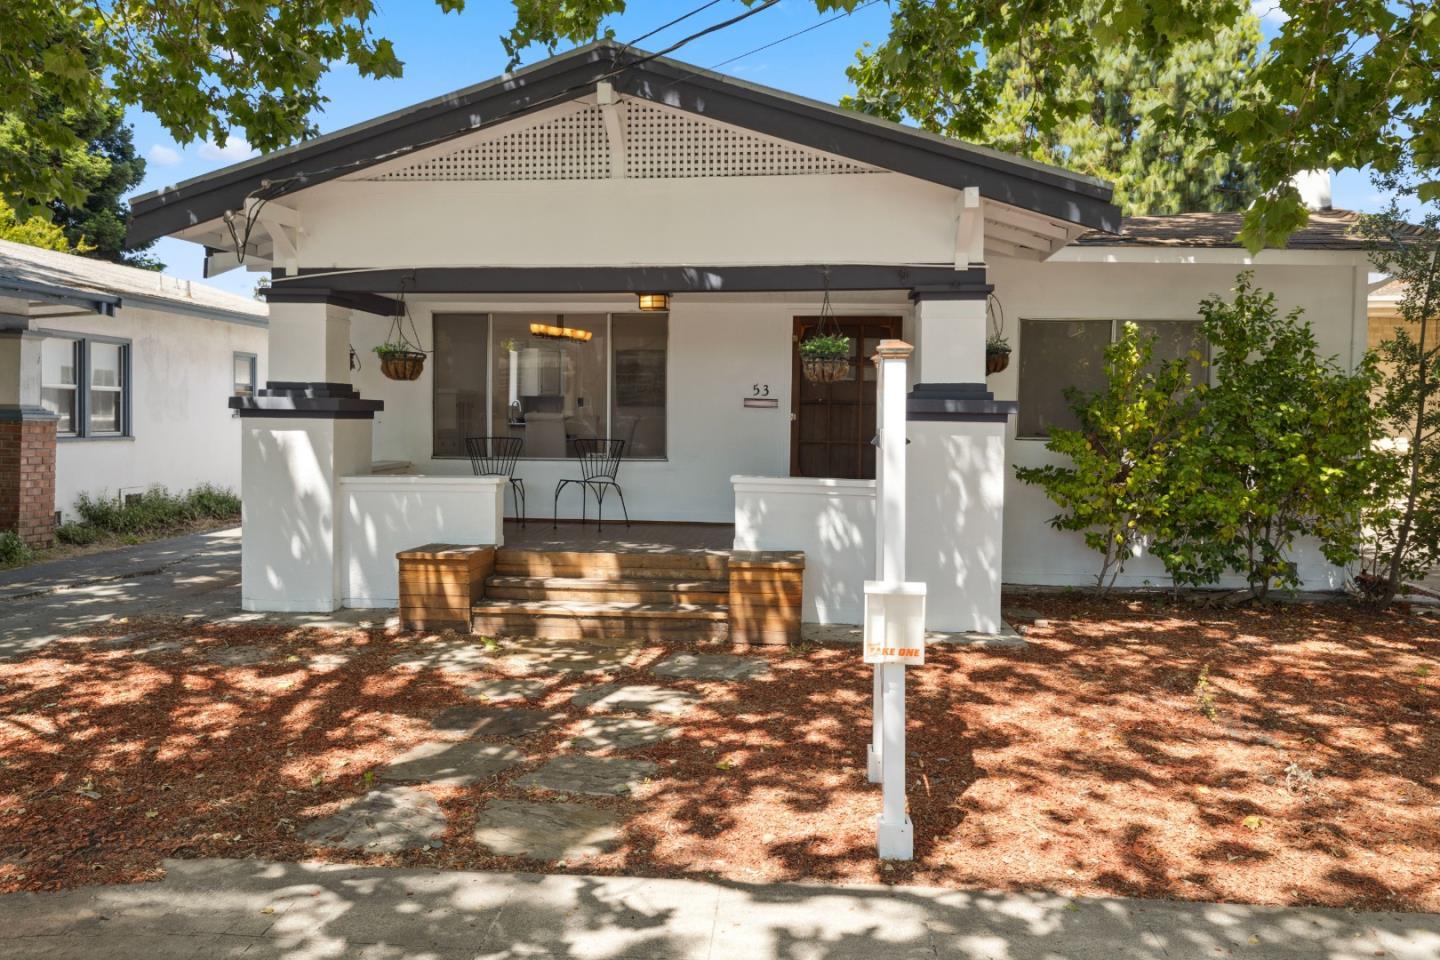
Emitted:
pixel 114 379
pixel 560 197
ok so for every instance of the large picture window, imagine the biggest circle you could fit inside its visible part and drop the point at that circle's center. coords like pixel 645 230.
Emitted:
pixel 86 383
pixel 1059 354
pixel 551 379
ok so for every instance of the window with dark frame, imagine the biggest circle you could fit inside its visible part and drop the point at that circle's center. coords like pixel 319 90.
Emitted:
pixel 85 382
pixel 551 379
pixel 244 374
pixel 1059 354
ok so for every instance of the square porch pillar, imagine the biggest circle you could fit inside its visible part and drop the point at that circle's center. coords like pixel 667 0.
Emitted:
pixel 27 437
pixel 301 434
pixel 956 482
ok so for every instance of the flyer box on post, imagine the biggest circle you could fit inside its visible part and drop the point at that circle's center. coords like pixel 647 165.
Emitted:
pixel 894 623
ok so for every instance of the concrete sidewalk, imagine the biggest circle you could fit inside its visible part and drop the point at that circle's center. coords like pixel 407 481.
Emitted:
pixel 243 908
pixel 195 576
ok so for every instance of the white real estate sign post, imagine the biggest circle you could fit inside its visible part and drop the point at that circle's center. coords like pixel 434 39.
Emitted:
pixel 894 609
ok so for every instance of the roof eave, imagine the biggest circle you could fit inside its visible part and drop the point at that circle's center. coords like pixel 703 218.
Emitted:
pixel 1048 190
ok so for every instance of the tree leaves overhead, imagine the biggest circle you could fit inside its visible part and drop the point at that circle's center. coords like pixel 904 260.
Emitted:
pixel 203 68
pixel 1115 118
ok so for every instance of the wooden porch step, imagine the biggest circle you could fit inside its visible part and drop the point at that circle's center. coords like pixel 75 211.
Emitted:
pixel 583 589
pixel 583 565
pixel 577 620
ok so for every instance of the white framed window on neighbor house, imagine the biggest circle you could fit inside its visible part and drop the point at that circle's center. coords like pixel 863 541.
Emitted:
pixel 1057 354
pixel 85 381
pixel 551 379
pixel 243 365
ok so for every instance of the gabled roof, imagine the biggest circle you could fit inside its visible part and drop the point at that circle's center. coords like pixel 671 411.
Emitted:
pixel 1048 190
pixel 50 277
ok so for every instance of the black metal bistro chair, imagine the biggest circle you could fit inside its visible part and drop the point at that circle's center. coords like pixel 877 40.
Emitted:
pixel 599 463
pixel 495 457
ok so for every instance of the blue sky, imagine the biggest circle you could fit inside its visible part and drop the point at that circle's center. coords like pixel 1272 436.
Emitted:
pixel 443 53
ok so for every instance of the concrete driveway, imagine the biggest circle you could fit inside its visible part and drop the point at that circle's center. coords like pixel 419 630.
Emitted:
pixel 196 576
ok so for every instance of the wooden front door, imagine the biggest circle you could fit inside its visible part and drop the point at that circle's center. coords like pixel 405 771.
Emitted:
pixel 832 424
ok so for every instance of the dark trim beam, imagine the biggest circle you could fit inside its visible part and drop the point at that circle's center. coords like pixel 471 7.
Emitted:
pixel 1049 191
pixel 354 299
pixel 327 284
pixel 296 400
pixel 957 402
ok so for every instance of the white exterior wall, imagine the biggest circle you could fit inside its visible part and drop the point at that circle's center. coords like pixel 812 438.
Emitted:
pixel 718 349
pixel 854 218
pixel 382 515
pixel 1327 290
pixel 833 521
pixel 181 379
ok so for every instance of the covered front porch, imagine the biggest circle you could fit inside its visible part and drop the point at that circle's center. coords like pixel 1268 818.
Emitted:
pixel 721 432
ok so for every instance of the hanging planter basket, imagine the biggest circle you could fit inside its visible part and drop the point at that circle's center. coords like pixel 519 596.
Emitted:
pixel 403 366
pixel 825 353
pixel 401 357
pixel 995 361
pixel 825 369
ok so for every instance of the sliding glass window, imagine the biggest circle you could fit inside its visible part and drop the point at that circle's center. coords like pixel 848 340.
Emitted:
pixel 637 406
pixel 551 379
pixel 460 350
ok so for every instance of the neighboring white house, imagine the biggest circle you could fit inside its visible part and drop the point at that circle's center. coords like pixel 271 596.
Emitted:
pixel 555 196
pixel 133 369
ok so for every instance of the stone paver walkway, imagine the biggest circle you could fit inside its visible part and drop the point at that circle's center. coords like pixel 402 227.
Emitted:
pixel 385 820
pixel 619 733
pixel 505 690
pixel 635 698
pixel 592 776
pixel 452 764
pixel 546 831
pixel 710 666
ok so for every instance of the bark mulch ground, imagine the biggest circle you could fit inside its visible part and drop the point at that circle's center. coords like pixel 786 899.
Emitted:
pixel 1287 755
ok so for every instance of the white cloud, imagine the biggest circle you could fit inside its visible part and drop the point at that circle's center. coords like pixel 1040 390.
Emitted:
pixel 235 150
pixel 1269 12
pixel 163 156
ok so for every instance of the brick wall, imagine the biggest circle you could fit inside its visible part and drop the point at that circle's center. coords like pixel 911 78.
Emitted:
pixel 27 479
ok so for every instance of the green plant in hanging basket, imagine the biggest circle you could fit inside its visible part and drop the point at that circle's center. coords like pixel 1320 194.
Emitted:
pixel 832 346
pixel 825 358
pixel 997 353
pixel 400 359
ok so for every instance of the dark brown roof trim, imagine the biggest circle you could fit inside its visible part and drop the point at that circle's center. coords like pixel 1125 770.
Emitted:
pixel 1047 190
pixel 320 285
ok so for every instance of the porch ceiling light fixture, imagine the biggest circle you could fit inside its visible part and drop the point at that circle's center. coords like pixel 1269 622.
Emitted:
pixel 654 302
pixel 552 332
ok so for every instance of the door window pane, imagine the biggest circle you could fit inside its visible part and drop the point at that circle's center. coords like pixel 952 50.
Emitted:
pixel 549 380
pixel 1054 355
pixel 57 381
pixel 638 402
pixel 107 374
pixel 460 348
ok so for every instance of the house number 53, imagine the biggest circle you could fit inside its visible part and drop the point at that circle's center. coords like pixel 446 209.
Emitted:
pixel 760 390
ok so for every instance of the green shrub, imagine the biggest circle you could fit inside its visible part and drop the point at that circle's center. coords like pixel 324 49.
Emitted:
pixel 77 534
pixel 154 511
pixel 13 550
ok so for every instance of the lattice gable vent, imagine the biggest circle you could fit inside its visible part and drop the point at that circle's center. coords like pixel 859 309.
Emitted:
pixel 660 144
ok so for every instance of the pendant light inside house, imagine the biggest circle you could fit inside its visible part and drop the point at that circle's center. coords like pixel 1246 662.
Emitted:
pixel 401 357
pixel 825 352
pixel 654 302
pixel 548 331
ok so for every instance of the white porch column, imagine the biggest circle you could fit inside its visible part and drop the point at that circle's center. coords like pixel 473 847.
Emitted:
pixel 302 434
pixel 950 337
pixel 957 465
